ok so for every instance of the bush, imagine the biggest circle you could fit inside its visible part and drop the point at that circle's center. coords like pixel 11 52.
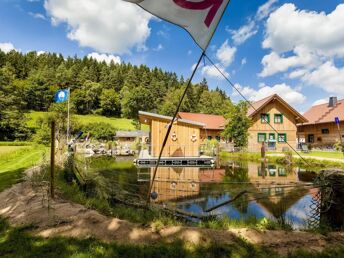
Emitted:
pixel 100 131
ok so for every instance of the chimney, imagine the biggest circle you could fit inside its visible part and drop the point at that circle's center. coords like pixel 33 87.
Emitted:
pixel 332 102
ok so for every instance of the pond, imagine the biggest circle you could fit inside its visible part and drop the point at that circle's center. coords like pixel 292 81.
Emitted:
pixel 274 192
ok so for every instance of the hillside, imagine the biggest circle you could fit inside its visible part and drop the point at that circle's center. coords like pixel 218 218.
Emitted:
pixel 122 124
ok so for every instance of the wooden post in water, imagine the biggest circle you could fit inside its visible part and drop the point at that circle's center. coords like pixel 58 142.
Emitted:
pixel 52 161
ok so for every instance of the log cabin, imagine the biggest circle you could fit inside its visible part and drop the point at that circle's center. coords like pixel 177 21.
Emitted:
pixel 184 139
pixel 281 116
pixel 321 130
pixel 214 125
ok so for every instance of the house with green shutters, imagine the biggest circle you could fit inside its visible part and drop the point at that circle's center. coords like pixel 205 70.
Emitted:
pixel 273 113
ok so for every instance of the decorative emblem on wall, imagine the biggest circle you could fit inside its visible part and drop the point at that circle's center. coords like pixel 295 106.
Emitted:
pixel 194 138
pixel 174 137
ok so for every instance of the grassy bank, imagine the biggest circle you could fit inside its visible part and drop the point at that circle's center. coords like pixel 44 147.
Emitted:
pixel 312 163
pixel 14 160
pixel 19 242
pixel 119 123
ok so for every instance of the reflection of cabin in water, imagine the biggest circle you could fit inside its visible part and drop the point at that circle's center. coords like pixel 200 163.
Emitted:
pixel 172 183
pixel 184 140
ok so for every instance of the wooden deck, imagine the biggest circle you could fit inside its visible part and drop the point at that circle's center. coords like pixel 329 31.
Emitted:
pixel 145 160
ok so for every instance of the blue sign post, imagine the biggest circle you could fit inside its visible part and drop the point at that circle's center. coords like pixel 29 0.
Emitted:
pixel 337 120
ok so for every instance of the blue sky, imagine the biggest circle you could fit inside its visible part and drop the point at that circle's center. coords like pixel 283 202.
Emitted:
pixel 293 48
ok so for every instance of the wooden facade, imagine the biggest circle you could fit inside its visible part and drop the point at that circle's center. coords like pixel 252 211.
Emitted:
pixel 281 116
pixel 321 129
pixel 320 135
pixel 184 139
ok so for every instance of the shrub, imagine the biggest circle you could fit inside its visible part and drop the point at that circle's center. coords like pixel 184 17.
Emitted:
pixel 100 131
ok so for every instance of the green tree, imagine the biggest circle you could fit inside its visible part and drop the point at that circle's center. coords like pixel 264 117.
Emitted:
pixel 12 123
pixel 110 103
pixel 239 123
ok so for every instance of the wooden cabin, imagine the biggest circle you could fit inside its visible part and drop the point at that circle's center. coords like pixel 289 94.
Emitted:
pixel 281 116
pixel 321 129
pixel 129 138
pixel 184 139
pixel 214 125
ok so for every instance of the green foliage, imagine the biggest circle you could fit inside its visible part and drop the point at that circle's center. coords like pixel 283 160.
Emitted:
pixel 110 103
pixel 239 123
pixel 338 146
pixel 12 123
pixel 100 131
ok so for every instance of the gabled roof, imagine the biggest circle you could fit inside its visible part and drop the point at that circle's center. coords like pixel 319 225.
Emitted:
pixel 259 105
pixel 212 122
pixel 324 114
pixel 143 115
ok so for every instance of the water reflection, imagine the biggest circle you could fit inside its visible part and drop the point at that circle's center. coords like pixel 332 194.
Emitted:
pixel 275 191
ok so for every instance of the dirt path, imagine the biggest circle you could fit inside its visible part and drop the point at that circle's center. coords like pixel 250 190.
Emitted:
pixel 25 205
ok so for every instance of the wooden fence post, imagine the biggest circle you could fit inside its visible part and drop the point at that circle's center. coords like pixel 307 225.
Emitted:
pixel 52 161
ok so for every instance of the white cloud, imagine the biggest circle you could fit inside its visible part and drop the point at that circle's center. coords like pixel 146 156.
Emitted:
pixel 37 16
pixel 158 48
pixel 265 9
pixel 289 94
pixel 225 54
pixel 211 71
pixel 7 47
pixel 244 61
pixel 274 63
pixel 105 58
pixel 41 52
pixel 319 102
pixel 328 77
pixel 244 33
pixel 321 33
pixel 108 26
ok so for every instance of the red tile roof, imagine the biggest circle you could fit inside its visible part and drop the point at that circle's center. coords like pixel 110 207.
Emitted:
pixel 258 105
pixel 212 122
pixel 324 114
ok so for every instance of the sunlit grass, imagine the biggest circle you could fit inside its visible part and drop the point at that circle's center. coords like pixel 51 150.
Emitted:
pixel 118 123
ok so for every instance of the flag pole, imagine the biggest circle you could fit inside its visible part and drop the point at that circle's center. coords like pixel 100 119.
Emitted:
pixel 68 116
pixel 171 124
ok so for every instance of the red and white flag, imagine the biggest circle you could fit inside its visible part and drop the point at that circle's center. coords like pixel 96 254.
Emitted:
pixel 199 17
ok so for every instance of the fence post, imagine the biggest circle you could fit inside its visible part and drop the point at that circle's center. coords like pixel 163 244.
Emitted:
pixel 52 161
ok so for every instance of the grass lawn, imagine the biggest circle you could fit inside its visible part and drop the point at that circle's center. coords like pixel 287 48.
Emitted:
pixel 324 154
pixel 119 123
pixel 14 160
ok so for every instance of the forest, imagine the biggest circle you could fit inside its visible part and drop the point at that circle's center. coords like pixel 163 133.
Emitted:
pixel 28 82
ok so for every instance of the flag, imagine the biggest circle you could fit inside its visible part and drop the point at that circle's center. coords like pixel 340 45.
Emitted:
pixel 199 17
pixel 62 96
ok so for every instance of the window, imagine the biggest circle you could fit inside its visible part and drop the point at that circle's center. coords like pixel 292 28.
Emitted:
pixel 278 119
pixel 325 131
pixel 272 137
pixel 218 138
pixel 282 171
pixel 265 118
pixel 282 137
pixel 311 138
pixel 261 137
pixel 210 138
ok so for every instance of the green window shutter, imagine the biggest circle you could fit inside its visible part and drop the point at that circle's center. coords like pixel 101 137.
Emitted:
pixel 282 137
pixel 260 135
pixel 278 118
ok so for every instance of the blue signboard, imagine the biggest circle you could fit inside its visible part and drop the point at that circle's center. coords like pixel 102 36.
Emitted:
pixel 61 96
pixel 337 120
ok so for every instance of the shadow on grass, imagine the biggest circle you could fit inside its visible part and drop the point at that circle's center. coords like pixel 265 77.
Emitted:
pixel 18 242
pixel 9 178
